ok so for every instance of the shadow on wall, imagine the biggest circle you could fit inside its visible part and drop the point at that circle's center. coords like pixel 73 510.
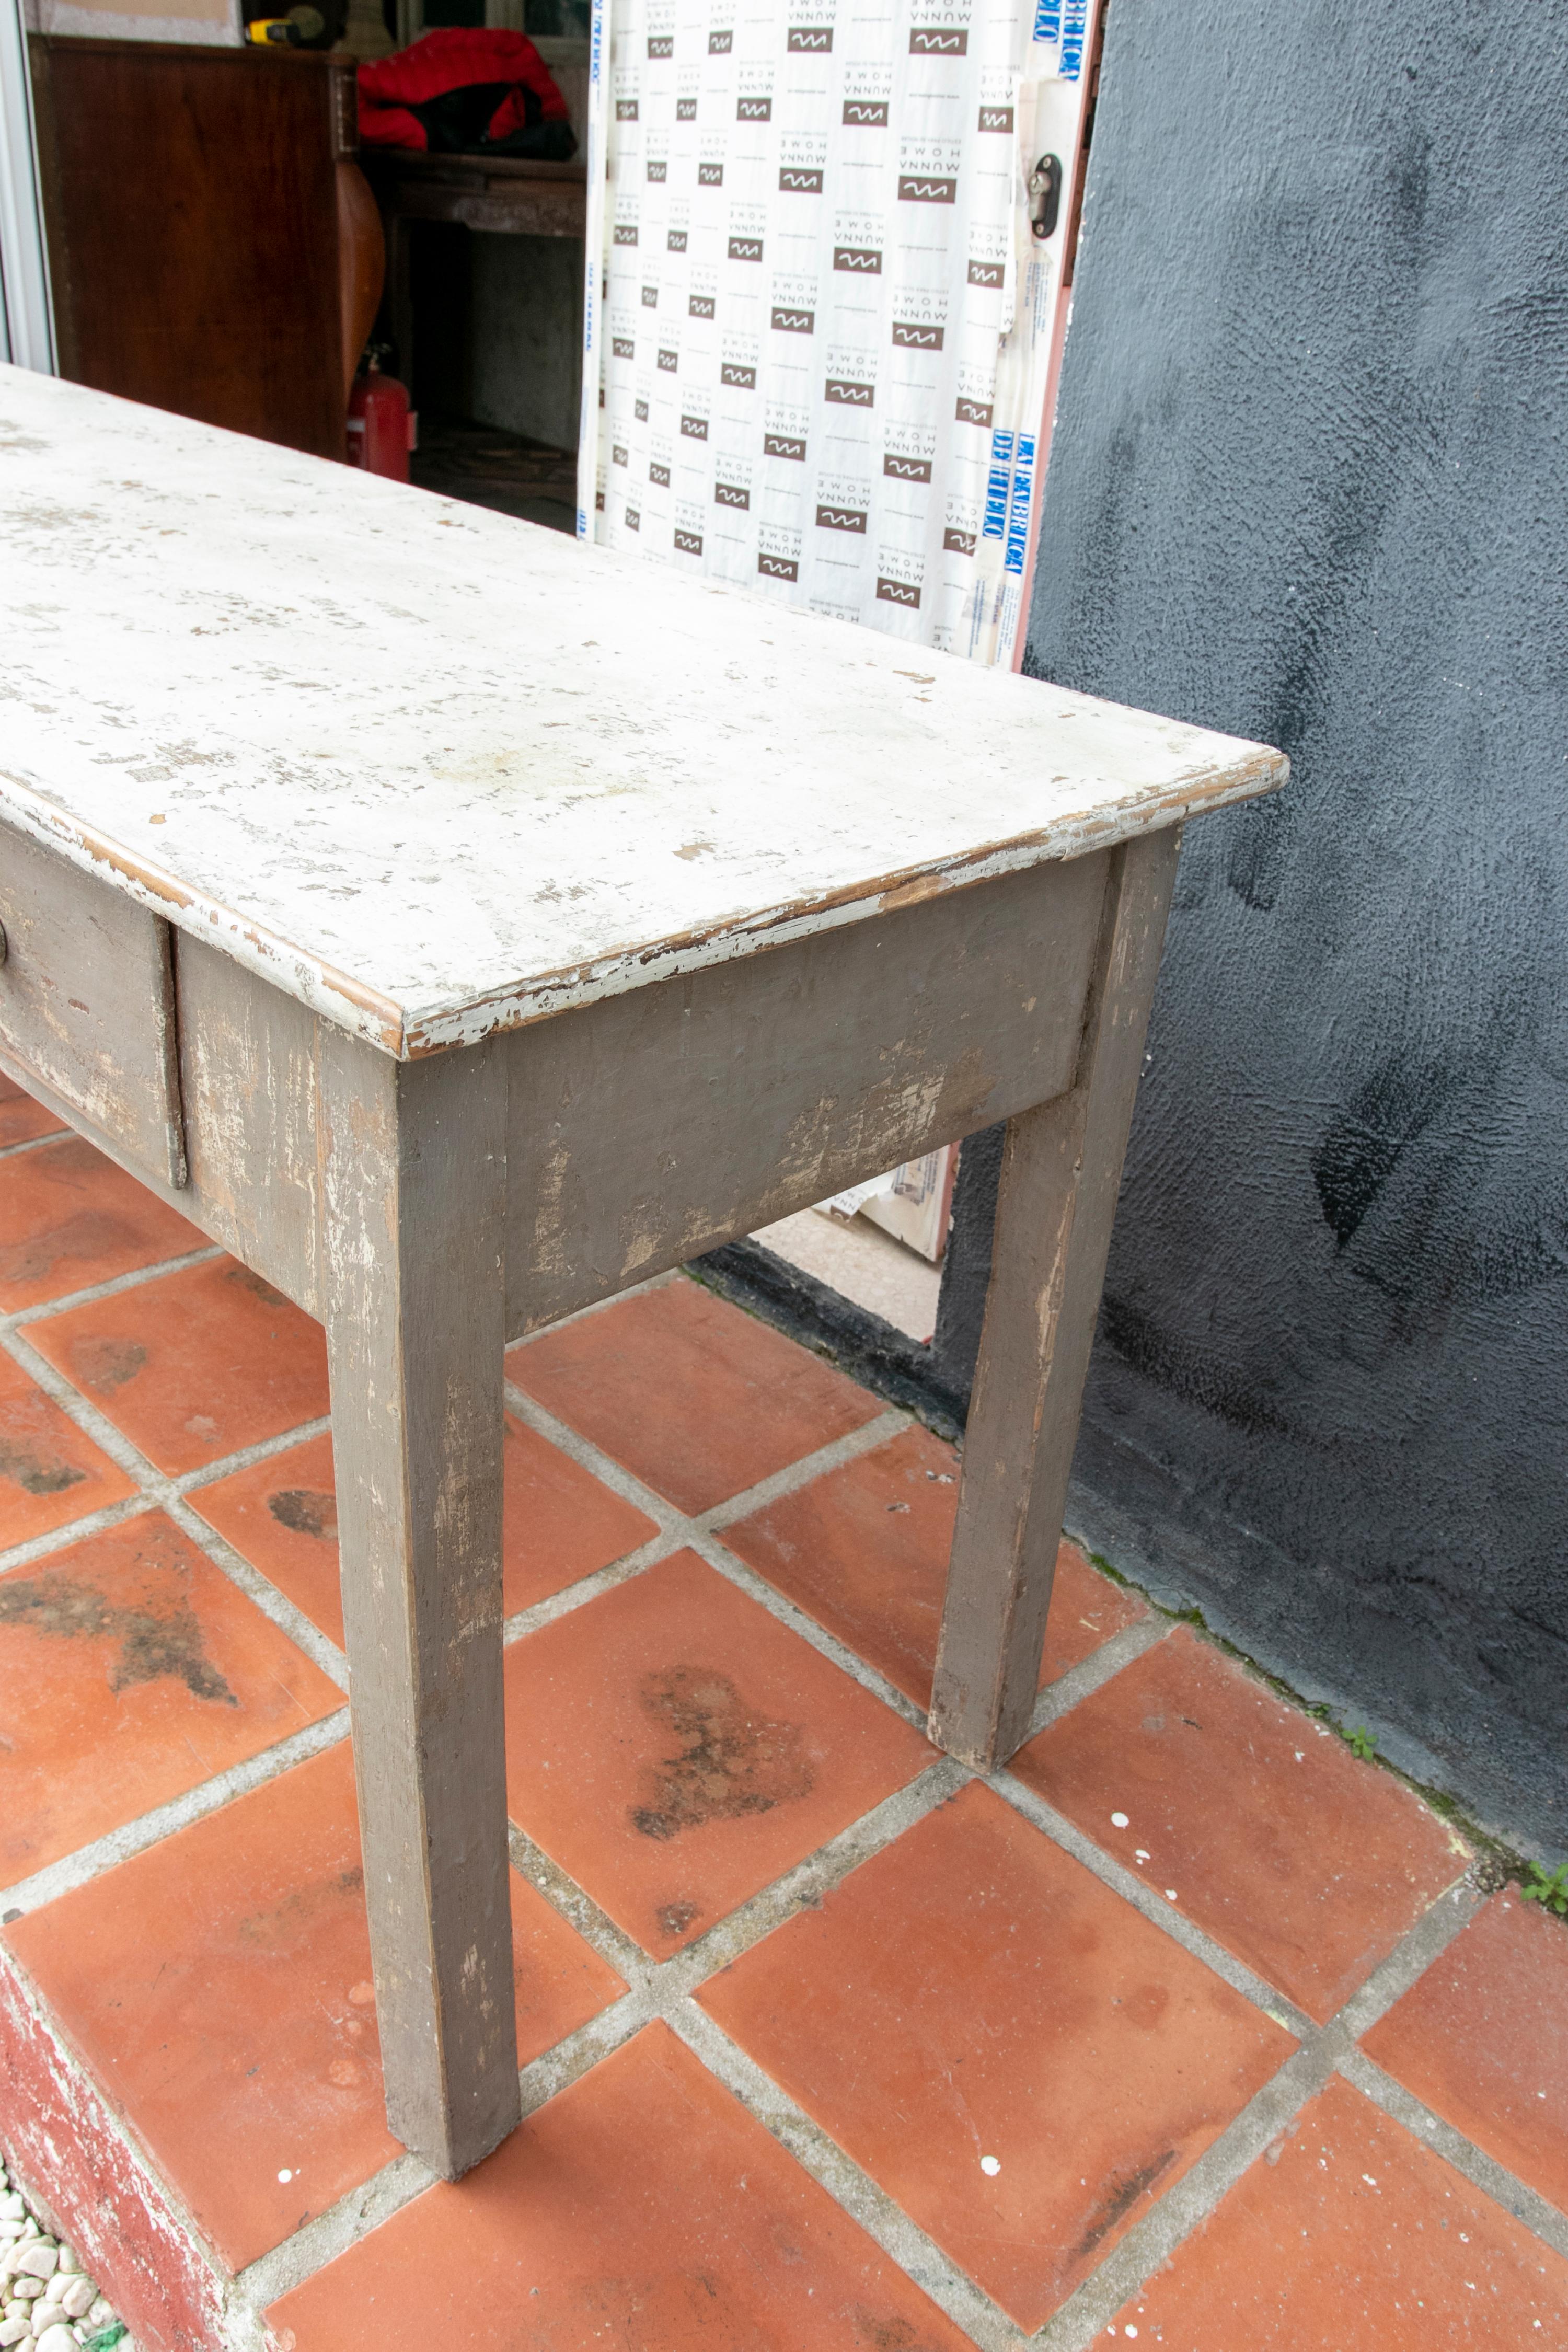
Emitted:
pixel 1308 484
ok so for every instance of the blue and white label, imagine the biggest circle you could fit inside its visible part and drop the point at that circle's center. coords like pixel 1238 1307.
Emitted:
pixel 996 523
pixel 1018 512
pixel 1074 35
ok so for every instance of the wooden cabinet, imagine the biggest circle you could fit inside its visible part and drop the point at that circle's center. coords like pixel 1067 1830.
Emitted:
pixel 213 248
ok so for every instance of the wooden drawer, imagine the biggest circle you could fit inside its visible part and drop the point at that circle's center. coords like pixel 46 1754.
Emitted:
pixel 87 1003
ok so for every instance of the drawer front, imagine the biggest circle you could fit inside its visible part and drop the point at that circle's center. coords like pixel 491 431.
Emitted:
pixel 87 1003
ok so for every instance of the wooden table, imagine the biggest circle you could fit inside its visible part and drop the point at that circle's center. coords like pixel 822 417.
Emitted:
pixel 461 925
pixel 503 194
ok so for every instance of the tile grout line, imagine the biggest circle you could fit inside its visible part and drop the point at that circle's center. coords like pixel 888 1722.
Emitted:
pixel 666 1989
pixel 90 1861
pixel 1492 2177
pixel 136 1278
pixel 656 1990
pixel 33 1142
pixel 160 1490
pixel 1272 2109
pixel 857 2194
pixel 1144 1898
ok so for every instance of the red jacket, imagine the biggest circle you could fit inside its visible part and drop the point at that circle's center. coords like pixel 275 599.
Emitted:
pixel 454 59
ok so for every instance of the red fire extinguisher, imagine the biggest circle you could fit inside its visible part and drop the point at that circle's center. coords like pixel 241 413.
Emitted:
pixel 383 428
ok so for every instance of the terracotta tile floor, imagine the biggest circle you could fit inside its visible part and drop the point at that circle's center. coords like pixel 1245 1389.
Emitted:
pixel 1189 2028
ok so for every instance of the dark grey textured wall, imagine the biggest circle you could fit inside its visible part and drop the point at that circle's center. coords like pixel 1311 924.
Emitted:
pixel 1308 484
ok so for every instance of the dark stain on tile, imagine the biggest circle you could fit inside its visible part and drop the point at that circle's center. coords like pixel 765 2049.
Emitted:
pixel 244 1279
pixel 281 1925
pixel 676 1917
pixel 36 1476
pixel 1118 2202
pixel 732 1763
pixel 886 2332
pixel 150 1645
pixel 305 1511
pixel 89 1234
pixel 107 1364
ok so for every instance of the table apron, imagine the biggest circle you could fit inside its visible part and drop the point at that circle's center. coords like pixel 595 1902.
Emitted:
pixel 649 1127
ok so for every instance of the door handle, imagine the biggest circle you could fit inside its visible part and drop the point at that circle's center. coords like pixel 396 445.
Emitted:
pixel 1044 196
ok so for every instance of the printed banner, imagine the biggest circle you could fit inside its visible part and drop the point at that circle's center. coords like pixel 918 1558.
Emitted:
pixel 824 331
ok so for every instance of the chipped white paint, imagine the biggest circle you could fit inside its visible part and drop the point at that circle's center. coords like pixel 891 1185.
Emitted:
pixel 435 772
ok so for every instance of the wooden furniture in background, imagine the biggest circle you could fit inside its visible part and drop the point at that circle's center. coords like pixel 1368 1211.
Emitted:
pixel 506 194
pixel 213 248
pixel 530 926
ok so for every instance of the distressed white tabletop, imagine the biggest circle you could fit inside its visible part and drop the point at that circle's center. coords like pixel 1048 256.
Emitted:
pixel 435 771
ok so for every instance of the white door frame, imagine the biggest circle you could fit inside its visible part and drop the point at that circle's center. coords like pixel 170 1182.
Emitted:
pixel 27 320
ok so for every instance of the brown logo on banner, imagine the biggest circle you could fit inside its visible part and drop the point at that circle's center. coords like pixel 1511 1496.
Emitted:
pixel 997 118
pixel 777 567
pixel 985 273
pixel 921 188
pixel 720 44
pixel 662 45
pixel 685 109
pixel 937 41
pixel 848 394
pixel 972 411
pixel 866 113
pixel 658 169
pixel 625 110
pixel 753 110
pixel 599 500
pixel 814 37
pixel 618 454
pixel 728 494
pixel 797 183
pixel 640 412
pixel 863 258
pixel 906 469
pixel 745 248
pixel 780 445
pixel 694 427
pixel 668 361
pixel 744 379
pixel 841 519
pixel 687 542
pixel 958 542
pixel 633 520
pixel 701 306
pixel 660 475
pixel 623 347
pixel 898 592
pixel 650 297
pixel 676 241
pixel 710 175
pixel 626 232
pixel 794 322
pixel 917 338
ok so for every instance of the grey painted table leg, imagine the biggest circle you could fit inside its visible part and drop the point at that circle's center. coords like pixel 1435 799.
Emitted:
pixel 414 1163
pixel 1061 1168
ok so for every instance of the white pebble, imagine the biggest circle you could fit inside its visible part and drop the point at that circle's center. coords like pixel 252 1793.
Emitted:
pixel 38 2259
pixel 102 2312
pixel 70 2261
pixel 24 2288
pixel 991 2166
pixel 12 2207
pixel 9 2229
pixel 12 2330
pixel 58 2338
pixel 78 2298
pixel 1119 1820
